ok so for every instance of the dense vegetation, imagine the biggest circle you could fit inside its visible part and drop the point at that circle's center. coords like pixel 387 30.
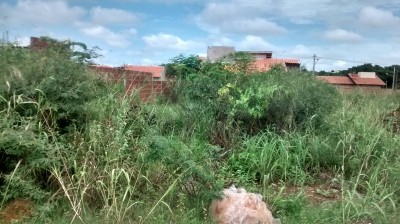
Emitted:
pixel 74 144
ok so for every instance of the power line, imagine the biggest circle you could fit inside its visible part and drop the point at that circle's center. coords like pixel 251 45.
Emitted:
pixel 316 58
pixel 345 60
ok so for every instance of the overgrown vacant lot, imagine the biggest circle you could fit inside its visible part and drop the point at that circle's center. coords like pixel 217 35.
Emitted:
pixel 74 148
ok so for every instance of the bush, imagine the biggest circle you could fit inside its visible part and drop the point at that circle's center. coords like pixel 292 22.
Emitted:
pixel 60 86
pixel 306 100
pixel 284 101
pixel 182 66
pixel 43 97
pixel 165 160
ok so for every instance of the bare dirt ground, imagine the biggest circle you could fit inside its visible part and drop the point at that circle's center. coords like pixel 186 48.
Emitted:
pixel 16 210
pixel 317 193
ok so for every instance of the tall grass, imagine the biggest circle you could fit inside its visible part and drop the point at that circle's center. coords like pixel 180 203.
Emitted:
pixel 90 153
pixel 369 164
pixel 107 164
pixel 355 146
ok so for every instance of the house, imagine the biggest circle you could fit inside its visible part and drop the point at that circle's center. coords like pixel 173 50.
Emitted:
pixel 263 59
pixel 366 81
pixel 259 55
pixel 38 44
pixel 145 80
pixel 158 72
pixel 263 65
pixel 217 52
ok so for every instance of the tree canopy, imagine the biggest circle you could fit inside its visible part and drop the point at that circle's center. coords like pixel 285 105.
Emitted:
pixel 77 51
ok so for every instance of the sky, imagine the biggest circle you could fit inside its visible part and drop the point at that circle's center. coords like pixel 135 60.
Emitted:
pixel 341 33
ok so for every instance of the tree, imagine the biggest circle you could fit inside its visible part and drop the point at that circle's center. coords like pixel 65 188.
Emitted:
pixel 77 51
pixel 239 62
pixel 182 66
pixel 303 68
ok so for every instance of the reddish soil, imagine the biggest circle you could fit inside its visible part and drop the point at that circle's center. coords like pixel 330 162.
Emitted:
pixel 16 211
pixel 316 193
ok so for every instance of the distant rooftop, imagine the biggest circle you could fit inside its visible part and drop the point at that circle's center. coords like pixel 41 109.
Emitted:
pixel 157 71
pixel 257 52
pixel 265 64
pixel 336 80
pixel 366 79
pixel 362 78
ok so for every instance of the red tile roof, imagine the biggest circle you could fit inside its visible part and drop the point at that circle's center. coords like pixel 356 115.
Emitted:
pixel 352 79
pixel 266 64
pixel 375 81
pixel 157 71
pixel 336 80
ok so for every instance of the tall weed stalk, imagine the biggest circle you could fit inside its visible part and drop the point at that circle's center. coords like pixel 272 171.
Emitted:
pixel 369 182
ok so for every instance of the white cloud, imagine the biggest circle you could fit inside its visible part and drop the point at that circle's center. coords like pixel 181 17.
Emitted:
pixel 217 40
pixel 341 35
pixel 333 12
pixel 237 17
pixel 256 26
pixel 254 43
pixel 148 61
pixel 300 51
pixel 395 56
pixel 340 64
pixel 132 31
pixel 165 1
pixel 378 18
pixel 304 12
pixel 109 16
pixel 163 41
pixel 110 37
pixel 23 41
pixel 41 12
pixel 301 12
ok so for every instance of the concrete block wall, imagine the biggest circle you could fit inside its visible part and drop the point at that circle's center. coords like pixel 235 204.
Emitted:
pixel 141 83
pixel 37 44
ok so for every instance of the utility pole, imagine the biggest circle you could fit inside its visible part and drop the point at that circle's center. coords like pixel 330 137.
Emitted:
pixel 3 28
pixel 314 62
pixel 394 78
pixel 4 39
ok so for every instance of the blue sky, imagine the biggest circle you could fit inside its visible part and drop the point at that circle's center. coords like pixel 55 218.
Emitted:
pixel 343 33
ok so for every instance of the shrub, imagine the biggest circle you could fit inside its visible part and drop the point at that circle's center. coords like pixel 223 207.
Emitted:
pixel 182 66
pixel 43 97
pixel 284 101
pixel 191 160
pixel 26 153
pixel 61 86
